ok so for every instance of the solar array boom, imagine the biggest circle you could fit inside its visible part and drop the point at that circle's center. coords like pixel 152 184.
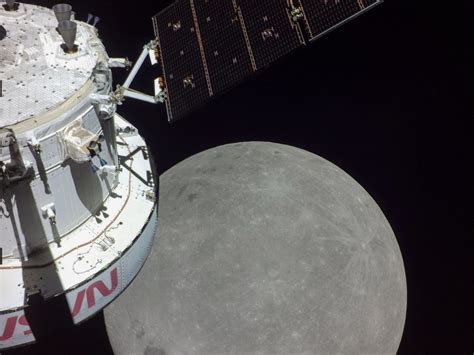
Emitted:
pixel 208 46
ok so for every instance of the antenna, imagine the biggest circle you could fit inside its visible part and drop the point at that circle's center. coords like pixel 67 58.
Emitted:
pixel 68 30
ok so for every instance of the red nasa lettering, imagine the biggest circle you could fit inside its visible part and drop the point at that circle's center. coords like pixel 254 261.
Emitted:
pixel 10 327
pixel 89 293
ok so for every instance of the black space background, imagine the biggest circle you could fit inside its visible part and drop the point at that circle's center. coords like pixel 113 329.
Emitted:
pixel 387 98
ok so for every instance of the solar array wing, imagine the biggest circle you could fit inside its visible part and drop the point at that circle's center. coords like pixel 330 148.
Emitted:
pixel 209 46
pixel 180 49
pixel 270 30
pixel 322 16
pixel 225 49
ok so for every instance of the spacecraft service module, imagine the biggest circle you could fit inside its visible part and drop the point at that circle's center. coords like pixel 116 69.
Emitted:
pixel 78 191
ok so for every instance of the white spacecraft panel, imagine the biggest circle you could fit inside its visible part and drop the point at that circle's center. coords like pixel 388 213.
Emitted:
pixel 90 297
pixel 96 261
pixel 77 210
pixel 74 189
pixel 36 75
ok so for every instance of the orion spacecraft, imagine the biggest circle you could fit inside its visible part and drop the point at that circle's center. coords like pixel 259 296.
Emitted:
pixel 78 189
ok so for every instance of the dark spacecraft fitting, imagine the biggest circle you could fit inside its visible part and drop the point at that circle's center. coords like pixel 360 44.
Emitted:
pixel 3 32
pixel 11 5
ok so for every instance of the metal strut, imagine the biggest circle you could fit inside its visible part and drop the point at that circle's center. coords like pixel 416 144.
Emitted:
pixel 124 90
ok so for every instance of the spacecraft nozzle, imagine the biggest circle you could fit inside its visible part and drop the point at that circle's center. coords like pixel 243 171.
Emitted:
pixel 63 12
pixel 11 5
pixel 68 31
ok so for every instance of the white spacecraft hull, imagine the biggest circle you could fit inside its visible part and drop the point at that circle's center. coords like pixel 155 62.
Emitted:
pixel 96 272
pixel 90 297
pixel 78 192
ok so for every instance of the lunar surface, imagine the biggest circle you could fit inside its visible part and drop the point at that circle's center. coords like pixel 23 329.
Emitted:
pixel 264 248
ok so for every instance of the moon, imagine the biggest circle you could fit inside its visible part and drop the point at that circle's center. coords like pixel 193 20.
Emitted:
pixel 264 248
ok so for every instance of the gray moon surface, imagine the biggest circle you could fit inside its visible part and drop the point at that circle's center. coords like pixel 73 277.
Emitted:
pixel 264 248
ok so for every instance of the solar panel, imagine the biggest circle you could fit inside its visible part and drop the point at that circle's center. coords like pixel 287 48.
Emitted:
pixel 227 54
pixel 183 67
pixel 208 46
pixel 321 16
pixel 270 30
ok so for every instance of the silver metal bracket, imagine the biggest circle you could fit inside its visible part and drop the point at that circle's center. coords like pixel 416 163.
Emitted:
pixel 49 211
pixel 148 48
pixel 119 63
pixel 151 50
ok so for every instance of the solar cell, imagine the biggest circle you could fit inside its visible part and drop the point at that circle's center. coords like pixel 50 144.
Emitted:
pixel 226 51
pixel 322 16
pixel 182 63
pixel 270 30
pixel 368 3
